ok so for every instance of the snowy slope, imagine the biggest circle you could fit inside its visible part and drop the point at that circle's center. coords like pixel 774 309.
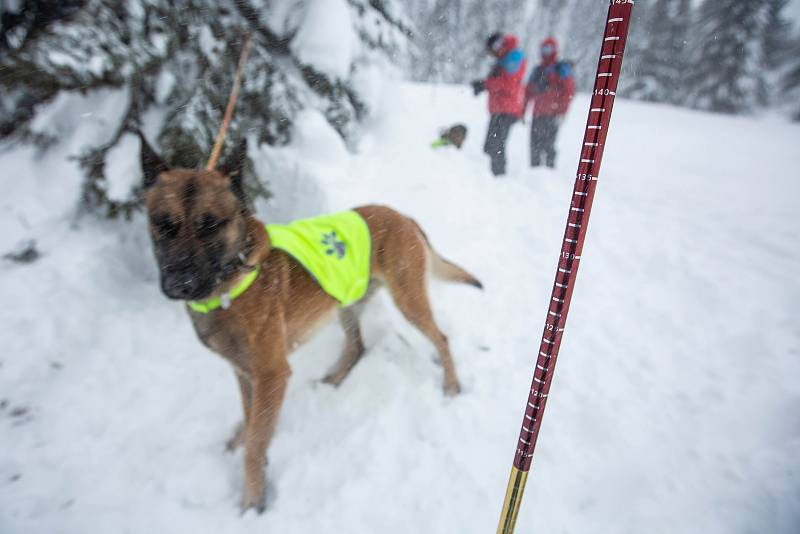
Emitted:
pixel 674 409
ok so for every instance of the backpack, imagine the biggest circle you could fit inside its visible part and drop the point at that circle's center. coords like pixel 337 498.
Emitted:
pixel 539 76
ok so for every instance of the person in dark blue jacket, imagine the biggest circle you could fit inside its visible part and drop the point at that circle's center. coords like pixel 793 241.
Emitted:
pixel 551 87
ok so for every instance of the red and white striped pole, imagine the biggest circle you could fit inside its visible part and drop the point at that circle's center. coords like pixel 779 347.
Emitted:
pixel 594 139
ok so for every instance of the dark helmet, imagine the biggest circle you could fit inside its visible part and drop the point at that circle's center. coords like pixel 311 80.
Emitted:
pixel 494 42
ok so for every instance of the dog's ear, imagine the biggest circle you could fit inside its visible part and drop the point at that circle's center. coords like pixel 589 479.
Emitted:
pixel 233 168
pixel 152 164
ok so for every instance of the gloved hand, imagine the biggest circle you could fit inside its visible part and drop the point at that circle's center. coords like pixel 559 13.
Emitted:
pixel 478 86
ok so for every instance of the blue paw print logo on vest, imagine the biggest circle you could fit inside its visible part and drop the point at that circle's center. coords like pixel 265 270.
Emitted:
pixel 334 245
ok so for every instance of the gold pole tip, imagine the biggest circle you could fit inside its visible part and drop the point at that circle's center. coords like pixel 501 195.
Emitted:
pixel 514 491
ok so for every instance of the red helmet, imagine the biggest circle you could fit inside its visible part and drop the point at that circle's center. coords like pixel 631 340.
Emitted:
pixel 549 50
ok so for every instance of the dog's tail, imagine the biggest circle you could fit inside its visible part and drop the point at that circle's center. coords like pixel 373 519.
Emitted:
pixel 447 270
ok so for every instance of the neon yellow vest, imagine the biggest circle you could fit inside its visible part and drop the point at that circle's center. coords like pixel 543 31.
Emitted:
pixel 334 249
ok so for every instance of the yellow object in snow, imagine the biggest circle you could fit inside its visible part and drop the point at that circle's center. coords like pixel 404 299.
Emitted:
pixel 335 249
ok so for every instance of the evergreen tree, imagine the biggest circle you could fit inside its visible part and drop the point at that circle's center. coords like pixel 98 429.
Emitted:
pixel 549 17
pixel 450 36
pixel 180 56
pixel 776 37
pixel 581 45
pixel 660 51
pixel 791 80
pixel 21 19
pixel 722 55
pixel 727 71
pixel 776 50
pixel 682 18
pixel 441 42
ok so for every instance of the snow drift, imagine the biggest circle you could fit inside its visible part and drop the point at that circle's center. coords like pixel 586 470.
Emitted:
pixel 674 409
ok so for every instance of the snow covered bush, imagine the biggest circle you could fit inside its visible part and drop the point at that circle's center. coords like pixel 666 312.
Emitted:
pixel 171 65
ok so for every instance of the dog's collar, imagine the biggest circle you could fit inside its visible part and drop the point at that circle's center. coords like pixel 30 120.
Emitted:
pixel 224 301
pixel 240 260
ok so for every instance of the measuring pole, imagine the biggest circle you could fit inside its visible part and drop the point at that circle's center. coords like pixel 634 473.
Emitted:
pixel 594 139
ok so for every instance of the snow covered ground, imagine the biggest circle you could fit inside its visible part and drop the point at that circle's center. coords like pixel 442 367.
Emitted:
pixel 675 409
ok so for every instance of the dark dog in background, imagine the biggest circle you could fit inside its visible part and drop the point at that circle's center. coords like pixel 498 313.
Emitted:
pixel 453 136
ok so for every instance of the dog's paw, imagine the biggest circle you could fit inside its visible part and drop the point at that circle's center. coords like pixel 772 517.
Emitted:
pixel 257 508
pixel 237 439
pixel 332 380
pixel 253 501
pixel 453 388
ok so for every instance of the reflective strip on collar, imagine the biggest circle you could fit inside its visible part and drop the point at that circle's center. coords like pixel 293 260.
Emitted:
pixel 224 300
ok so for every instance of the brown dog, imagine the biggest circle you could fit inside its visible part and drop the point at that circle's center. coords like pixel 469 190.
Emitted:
pixel 206 240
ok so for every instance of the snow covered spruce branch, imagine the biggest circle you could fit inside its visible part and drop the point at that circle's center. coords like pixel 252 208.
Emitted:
pixel 173 64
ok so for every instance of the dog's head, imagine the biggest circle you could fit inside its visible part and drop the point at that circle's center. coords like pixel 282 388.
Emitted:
pixel 198 222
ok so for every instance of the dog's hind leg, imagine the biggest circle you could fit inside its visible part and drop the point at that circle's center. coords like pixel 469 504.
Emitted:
pixel 353 342
pixel 408 289
pixel 353 345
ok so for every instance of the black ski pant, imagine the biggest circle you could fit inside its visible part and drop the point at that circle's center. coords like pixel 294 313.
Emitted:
pixel 543 140
pixel 496 136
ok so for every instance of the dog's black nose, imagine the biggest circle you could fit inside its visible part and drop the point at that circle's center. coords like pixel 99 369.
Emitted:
pixel 180 286
pixel 185 291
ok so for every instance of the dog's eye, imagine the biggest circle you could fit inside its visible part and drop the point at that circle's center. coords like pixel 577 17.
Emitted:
pixel 209 225
pixel 165 227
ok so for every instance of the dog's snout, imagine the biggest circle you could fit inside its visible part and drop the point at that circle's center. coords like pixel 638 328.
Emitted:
pixel 179 279
pixel 184 288
pixel 178 262
pixel 185 274
pixel 178 270
pixel 180 285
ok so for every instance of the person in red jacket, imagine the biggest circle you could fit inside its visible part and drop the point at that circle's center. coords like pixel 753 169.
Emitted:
pixel 506 95
pixel 551 87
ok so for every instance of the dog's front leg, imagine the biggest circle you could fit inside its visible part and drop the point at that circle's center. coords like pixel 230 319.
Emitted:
pixel 268 382
pixel 245 390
